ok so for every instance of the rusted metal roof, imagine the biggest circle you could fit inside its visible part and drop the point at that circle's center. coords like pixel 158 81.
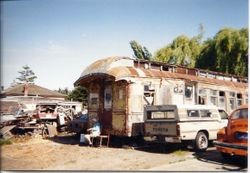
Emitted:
pixel 123 68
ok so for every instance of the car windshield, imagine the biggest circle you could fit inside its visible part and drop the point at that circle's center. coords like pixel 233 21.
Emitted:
pixel 240 114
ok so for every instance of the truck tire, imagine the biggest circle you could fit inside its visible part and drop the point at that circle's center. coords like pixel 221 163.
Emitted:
pixel 201 141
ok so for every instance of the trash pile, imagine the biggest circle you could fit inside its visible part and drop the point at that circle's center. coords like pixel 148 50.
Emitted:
pixel 47 120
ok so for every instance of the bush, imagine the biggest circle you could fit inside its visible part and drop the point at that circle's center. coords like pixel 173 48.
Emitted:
pixel 5 142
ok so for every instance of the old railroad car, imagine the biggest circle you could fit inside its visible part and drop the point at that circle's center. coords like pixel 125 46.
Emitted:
pixel 120 87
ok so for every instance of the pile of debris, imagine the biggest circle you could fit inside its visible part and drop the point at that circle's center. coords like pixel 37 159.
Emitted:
pixel 47 120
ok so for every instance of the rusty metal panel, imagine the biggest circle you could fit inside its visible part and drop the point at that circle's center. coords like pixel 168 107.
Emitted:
pixel 119 96
pixel 119 121
pixel 120 67
pixel 181 70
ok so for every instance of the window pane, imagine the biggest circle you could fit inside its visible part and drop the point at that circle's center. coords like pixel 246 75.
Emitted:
pixel 239 102
pixel 223 114
pixel 235 115
pixel 232 94
pixel 193 113
pixel 221 102
pixel 213 92
pixel 169 114
pixel 202 91
pixel 232 104
pixel 188 91
pixel 205 113
pixel 213 100
pixel 242 113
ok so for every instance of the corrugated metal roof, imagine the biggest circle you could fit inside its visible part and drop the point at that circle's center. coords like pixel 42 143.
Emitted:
pixel 122 70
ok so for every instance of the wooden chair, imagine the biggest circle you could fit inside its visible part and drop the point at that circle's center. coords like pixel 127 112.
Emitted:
pixel 100 139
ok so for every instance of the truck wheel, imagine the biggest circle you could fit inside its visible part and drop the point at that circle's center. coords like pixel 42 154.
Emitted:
pixel 201 141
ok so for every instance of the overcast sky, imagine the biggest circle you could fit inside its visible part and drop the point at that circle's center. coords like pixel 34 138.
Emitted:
pixel 58 39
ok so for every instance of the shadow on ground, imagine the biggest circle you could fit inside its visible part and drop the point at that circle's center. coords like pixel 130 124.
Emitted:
pixel 69 139
pixel 235 163
pixel 122 142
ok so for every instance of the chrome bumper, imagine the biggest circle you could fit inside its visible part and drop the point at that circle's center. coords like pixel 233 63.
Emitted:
pixel 230 145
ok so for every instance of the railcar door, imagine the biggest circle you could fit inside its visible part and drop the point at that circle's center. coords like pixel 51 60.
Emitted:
pixel 106 118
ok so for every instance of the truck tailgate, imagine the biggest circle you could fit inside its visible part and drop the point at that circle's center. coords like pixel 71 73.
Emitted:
pixel 163 128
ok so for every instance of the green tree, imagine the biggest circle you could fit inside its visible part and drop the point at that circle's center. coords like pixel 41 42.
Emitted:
pixel 78 94
pixel 227 52
pixel 139 51
pixel 26 76
pixel 182 51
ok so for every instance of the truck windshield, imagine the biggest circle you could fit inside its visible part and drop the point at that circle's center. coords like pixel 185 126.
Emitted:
pixel 240 114
pixel 166 114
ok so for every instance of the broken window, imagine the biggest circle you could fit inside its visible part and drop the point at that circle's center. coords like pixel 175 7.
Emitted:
pixel 239 99
pixel 149 93
pixel 188 91
pixel 221 99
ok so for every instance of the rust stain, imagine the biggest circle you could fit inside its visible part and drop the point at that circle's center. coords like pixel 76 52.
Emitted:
pixel 104 66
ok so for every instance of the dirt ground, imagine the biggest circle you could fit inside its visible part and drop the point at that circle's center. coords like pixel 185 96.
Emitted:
pixel 65 153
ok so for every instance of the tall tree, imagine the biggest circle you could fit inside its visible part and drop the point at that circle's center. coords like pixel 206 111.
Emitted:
pixel 227 52
pixel 139 51
pixel 182 51
pixel 26 76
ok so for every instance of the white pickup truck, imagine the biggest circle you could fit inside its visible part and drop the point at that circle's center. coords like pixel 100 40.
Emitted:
pixel 184 123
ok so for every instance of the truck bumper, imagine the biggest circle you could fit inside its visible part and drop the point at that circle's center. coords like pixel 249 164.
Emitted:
pixel 162 139
pixel 233 149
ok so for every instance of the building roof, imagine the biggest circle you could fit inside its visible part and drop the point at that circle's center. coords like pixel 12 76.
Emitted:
pixel 33 90
pixel 124 68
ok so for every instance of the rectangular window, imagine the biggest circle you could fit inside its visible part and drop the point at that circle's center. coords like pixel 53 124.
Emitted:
pixel 205 113
pixel 213 92
pixel 202 91
pixel 232 103
pixel 214 97
pixel 149 94
pixel 213 100
pixel 221 99
pixel 94 100
pixel 231 94
pixel 239 99
pixel 223 114
pixel 193 113
pixel 188 91
pixel 232 100
pixel 221 102
pixel 169 114
pixel 202 98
